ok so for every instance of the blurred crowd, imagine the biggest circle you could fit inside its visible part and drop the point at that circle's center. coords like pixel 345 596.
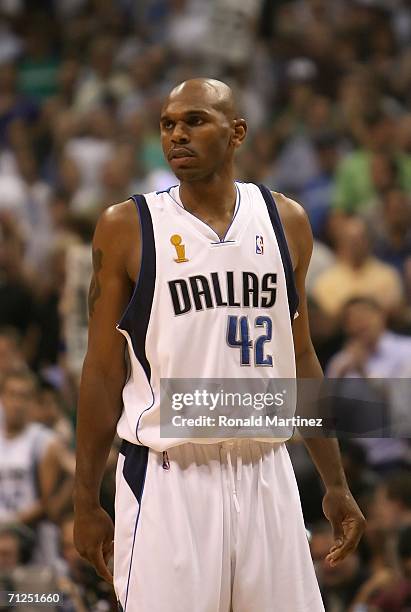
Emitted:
pixel 325 86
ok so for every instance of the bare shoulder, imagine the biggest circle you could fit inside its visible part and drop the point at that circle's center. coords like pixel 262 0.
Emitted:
pixel 296 227
pixel 118 217
pixel 291 212
pixel 118 233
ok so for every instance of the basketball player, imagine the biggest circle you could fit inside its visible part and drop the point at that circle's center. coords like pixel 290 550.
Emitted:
pixel 200 527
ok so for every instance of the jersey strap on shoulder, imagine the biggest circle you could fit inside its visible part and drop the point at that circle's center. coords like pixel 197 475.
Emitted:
pixel 137 314
pixel 282 245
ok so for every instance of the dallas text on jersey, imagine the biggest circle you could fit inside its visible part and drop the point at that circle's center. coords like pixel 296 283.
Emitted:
pixel 244 289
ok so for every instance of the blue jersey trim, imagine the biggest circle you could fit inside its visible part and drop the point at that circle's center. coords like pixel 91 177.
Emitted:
pixel 236 209
pixel 167 190
pixel 292 293
pixel 137 314
pixel 145 410
pixel 134 472
pixel 135 465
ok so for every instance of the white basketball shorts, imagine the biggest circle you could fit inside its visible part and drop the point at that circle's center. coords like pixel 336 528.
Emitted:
pixel 211 528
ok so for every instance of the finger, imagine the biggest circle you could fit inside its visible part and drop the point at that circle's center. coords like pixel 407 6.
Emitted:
pixel 338 533
pixel 335 550
pixel 336 546
pixel 348 545
pixel 99 564
pixel 342 551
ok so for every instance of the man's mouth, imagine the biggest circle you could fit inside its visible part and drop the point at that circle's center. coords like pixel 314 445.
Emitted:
pixel 180 152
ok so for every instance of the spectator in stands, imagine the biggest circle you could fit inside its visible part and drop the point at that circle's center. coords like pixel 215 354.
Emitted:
pixel 372 352
pixel 360 478
pixel 384 175
pixel 393 229
pixel 357 273
pixel 101 82
pixel 38 67
pixel 392 506
pixel 37 222
pixel 48 411
pixel 396 595
pixel 316 195
pixel 30 466
pixel 354 186
pixel 17 571
pixel 89 151
pixel 17 307
pixel 14 106
pixel 370 349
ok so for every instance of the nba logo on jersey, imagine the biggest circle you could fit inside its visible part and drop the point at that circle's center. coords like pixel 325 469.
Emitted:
pixel 259 245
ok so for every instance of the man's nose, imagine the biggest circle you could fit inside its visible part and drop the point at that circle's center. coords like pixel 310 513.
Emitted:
pixel 180 133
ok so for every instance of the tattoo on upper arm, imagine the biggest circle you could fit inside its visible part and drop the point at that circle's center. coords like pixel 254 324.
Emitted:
pixel 95 287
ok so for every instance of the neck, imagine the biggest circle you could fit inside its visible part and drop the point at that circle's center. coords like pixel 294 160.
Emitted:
pixel 355 264
pixel 214 195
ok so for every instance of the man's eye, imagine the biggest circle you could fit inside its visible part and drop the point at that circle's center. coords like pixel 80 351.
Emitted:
pixel 195 121
pixel 168 125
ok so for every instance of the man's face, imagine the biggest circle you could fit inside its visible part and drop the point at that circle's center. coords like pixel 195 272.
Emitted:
pixel 46 409
pixel 355 241
pixel 196 137
pixel 16 398
pixel 364 323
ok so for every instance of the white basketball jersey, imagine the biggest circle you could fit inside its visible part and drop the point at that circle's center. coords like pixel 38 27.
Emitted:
pixel 196 299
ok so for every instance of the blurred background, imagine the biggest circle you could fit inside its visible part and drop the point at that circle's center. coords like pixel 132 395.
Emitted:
pixel 326 89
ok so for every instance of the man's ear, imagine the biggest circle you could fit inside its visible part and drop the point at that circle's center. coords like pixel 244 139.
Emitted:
pixel 239 132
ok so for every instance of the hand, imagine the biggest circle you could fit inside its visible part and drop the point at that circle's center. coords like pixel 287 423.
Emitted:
pixel 94 539
pixel 347 521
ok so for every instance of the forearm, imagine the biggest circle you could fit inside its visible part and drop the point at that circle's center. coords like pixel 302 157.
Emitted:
pixel 324 452
pixel 99 409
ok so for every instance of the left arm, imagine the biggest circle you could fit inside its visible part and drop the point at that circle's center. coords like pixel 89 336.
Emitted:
pixel 339 506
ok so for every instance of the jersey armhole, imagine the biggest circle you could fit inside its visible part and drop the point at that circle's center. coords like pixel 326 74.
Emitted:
pixel 293 299
pixel 136 316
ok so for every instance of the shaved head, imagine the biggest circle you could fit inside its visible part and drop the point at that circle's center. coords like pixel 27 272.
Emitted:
pixel 200 129
pixel 210 92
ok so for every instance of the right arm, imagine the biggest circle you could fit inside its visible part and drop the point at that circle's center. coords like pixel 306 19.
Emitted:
pixel 115 253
